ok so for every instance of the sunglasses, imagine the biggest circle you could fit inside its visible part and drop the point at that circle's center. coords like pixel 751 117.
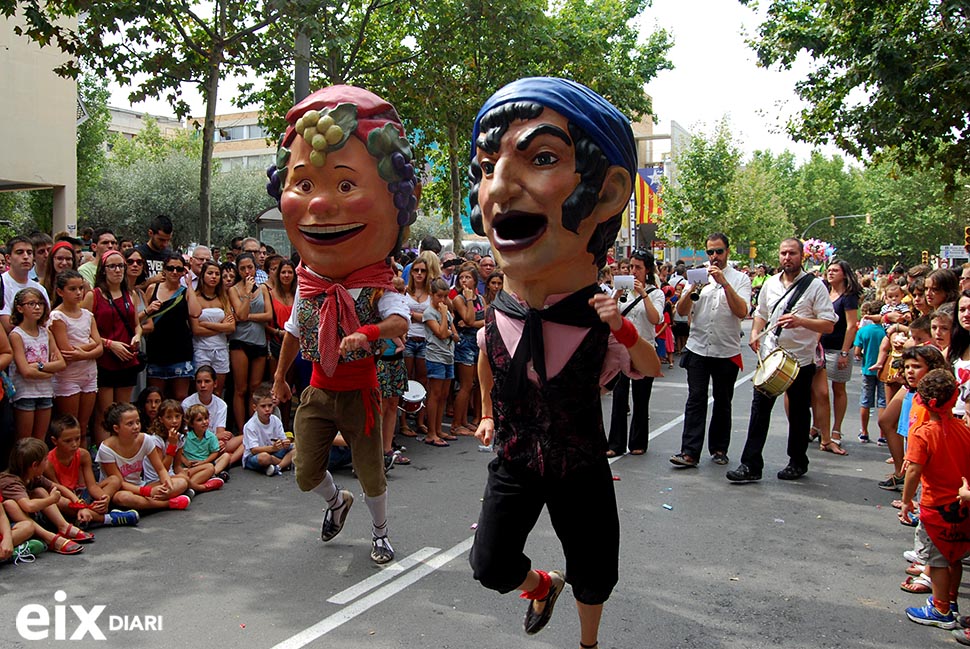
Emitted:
pixel 715 251
pixel 175 269
pixel 114 266
pixel 135 262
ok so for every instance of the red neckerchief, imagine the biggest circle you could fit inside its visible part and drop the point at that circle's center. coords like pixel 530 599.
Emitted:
pixel 338 307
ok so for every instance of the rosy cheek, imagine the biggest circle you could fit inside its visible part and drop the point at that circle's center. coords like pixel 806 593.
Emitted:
pixel 291 203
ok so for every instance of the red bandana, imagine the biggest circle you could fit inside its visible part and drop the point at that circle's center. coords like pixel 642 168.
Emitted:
pixel 338 307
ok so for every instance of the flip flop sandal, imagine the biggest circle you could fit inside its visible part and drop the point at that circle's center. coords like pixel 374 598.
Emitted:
pixel 814 434
pixel 915 569
pixel 917 585
pixel 834 448
pixel 400 459
pixel 897 504
pixel 68 547
pixel 448 438
pixel 638 451
pixel 407 432
pixel 440 443
pixel 76 534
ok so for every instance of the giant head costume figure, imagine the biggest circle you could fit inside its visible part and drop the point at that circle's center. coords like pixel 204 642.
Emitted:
pixel 552 170
pixel 344 180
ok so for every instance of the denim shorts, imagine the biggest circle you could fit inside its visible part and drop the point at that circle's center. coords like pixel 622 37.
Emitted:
pixel 440 370
pixel 183 370
pixel 873 393
pixel 415 348
pixel 252 462
pixel 466 351
pixel 30 404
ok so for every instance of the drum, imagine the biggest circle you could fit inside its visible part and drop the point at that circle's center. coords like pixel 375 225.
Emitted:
pixel 413 400
pixel 776 372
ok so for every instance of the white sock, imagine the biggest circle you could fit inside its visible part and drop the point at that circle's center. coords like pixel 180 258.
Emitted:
pixel 329 491
pixel 378 513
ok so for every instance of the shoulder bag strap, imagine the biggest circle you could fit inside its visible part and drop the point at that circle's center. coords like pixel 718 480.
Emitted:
pixel 796 290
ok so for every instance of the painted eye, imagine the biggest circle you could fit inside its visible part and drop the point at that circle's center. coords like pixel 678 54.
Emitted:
pixel 545 159
pixel 345 186
pixel 305 186
pixel 488 168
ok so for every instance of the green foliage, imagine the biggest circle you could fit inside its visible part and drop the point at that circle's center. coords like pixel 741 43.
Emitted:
pixel 701 202
pixel 889 79
pixel 92 133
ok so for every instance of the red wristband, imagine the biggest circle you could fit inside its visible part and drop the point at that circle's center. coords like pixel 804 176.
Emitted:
pixel 145 491
pixel 77 506
pixel 627 334
pixel 171 449
pixel 373 332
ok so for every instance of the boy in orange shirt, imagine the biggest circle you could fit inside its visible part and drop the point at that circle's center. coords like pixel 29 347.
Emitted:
pixel 939 456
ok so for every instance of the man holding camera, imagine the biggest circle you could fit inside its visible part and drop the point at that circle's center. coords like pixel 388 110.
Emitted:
pixel 713 352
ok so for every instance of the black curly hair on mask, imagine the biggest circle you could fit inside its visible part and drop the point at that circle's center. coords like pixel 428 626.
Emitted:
pixel 591 165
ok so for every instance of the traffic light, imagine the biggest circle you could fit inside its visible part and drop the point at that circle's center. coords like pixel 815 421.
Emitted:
pixel 926 257
pixel 832 221
pixel 753 251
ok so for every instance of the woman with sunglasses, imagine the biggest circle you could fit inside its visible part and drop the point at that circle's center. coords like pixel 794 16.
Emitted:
pixel 135 274
pixel 170 365
pixel 114 310
pixel 253 307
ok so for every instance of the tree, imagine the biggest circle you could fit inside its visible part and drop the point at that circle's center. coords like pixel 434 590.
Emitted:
pixel 701 202
pixel 910 213
pixel 163 44
pixel 889 80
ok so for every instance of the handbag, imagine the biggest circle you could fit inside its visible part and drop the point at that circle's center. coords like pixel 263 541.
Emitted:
pixel 140 356
pixel 7 387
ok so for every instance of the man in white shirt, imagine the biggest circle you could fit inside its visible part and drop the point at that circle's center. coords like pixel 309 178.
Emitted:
pixel 199 256
pixel 712 353
pixel 797 322
pixel 20 261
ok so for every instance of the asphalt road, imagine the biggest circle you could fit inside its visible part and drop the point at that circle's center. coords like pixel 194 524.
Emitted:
pixel 814 563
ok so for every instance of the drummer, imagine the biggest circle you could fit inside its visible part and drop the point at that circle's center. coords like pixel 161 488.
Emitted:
pixel 797 309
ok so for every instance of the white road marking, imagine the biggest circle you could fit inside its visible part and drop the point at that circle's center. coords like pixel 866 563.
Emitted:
pixel 399 577
pixel 364 604
pixel 388 573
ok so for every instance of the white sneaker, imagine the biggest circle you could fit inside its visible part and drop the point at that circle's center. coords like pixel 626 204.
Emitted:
pixel 912 557
pixel 273 469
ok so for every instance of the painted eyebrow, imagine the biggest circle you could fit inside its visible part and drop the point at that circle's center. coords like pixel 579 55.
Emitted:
pixel 344 167
pixel 542 129
pixel 299 166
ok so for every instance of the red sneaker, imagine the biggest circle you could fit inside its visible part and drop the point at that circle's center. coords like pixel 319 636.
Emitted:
pixel 179 502
pixel 213 483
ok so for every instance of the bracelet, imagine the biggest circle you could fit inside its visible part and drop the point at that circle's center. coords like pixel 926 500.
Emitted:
pixel 483 417
pixel 145 491
pixel 627 334
pixel 171 450
pixel 371 331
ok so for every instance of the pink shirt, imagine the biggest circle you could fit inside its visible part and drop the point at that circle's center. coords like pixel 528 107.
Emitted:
pixel 562 341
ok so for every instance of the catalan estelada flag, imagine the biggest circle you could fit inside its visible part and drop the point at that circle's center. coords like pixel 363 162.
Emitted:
pixel 649 208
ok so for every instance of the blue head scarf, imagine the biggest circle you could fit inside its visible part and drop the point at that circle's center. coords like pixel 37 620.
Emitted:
pixel 608 127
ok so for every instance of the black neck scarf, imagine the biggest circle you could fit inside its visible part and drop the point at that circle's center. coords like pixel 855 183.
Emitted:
pixel 573 310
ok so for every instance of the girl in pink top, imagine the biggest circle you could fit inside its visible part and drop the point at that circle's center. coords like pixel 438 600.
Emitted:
pixel 36 360
pixel 76 334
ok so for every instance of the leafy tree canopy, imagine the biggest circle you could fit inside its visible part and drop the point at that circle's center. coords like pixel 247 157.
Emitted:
pixel 889 80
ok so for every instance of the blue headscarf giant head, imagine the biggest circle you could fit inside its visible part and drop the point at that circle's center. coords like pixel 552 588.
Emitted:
pixel 586 110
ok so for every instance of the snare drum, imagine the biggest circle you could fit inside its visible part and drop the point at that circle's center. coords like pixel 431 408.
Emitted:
pixel 413 400
pixel 776 372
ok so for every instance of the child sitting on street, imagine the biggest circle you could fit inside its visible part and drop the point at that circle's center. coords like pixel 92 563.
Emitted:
pixel 168 433
pixel 202 449
pixel 25 492
pixel 939 456
pixel 205 383
pixel 266 446
pixel 122 455
pixel 16 544
pixel 83 498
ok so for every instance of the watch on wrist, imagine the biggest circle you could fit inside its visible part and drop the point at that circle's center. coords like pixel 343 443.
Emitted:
pixel 844 354
pixel 40 366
